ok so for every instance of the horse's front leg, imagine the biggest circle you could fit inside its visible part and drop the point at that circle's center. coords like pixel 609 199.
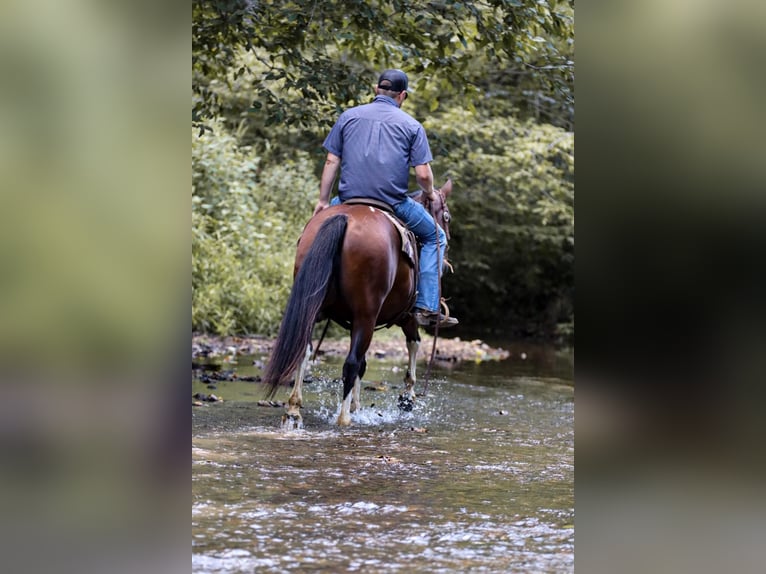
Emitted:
pixel 292 419
pixel 355 395
pixel 356 402
pixel 407 398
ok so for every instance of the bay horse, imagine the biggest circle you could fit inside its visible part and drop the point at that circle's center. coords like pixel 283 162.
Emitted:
pixel 349 267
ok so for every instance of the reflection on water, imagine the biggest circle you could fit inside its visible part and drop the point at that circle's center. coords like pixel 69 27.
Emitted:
pixel 478 477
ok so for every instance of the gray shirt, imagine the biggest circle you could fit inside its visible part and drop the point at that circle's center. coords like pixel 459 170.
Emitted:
pixel 377 144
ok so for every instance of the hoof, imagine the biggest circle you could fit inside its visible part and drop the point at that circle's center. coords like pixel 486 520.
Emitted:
pixel 406 403
pixel 292 422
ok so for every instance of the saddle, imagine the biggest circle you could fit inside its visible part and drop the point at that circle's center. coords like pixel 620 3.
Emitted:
pixel 409 242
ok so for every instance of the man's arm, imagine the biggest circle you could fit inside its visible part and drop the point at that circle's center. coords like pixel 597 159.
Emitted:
pixel 425 179
pixel 330 171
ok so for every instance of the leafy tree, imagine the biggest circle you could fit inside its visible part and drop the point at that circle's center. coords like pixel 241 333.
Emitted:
pixel 315 58
pixel 244 229
pixel 512 241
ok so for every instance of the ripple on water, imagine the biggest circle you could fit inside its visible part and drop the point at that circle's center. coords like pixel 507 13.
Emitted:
pixel 234 560
pixel 392 536
pixel 486 486
pixel 355 508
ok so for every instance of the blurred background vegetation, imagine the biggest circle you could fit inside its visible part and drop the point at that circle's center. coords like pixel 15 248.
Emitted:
pixel 493 84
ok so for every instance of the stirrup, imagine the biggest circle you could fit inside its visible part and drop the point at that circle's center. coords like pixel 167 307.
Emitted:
pixel 427 318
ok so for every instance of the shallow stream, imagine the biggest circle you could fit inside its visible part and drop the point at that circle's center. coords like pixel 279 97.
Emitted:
pixel 479 477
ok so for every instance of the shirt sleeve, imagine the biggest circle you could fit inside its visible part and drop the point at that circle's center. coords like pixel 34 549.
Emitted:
pixel 420 152
pixel 333 143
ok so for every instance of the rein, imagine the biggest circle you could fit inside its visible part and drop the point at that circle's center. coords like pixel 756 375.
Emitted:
pixel 319 344
pixel 427 375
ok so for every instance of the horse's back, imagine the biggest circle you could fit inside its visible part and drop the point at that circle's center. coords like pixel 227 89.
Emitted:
pixel 370 236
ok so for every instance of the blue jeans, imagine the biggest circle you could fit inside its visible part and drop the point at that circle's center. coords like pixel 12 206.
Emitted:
pixel 420 222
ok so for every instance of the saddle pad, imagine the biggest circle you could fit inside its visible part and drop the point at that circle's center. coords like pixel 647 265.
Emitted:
pixel 409 243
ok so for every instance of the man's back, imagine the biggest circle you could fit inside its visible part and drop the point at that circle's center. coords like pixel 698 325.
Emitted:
pixel 377 144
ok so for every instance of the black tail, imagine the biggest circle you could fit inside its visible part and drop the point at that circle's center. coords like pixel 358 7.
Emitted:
pixel 306 297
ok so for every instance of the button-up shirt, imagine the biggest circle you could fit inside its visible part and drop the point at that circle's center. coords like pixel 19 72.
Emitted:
pixel 377 144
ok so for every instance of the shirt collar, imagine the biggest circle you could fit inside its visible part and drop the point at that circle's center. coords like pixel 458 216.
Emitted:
pixel 385 99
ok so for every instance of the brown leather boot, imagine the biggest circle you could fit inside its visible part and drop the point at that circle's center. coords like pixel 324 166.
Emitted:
pixel 427 318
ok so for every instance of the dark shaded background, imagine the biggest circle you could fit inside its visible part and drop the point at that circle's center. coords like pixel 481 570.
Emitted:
pixel 670 287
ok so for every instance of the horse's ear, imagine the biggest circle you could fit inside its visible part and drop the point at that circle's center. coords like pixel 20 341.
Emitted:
pixel 446 189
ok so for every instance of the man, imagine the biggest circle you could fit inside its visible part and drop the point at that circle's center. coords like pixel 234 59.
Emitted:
pixel 374 145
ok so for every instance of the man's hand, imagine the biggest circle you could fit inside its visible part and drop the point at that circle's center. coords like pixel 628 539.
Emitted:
pixel 321 205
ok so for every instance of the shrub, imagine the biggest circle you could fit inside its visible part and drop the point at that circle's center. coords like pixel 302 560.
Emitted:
pixel 246 219
pixel 513 221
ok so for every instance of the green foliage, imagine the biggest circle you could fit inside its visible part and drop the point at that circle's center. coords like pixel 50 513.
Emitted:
pixel 513 220
pixel 246 220
pixel 314 58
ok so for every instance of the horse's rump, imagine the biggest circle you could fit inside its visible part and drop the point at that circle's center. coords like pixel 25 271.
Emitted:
pixel 374 275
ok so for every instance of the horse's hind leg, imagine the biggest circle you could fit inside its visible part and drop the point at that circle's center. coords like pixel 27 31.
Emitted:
pixel 353 367
pixel 356 402
pixel 292 419
pixel 407 398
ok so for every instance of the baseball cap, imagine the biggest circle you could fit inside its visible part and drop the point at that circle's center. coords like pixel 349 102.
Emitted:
pixel 394 80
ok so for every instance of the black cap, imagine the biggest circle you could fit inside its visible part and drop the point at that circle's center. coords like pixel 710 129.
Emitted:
pixel 393 80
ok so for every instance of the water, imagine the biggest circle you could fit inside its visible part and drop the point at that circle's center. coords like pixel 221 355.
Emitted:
pixel 479 477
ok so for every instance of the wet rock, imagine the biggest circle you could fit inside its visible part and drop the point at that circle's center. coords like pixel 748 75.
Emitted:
pixel 450 350
pixel 211 346
pixel 201 350
pixel 210 377
pixel 380 386
pixel 207 398
pixel 270 404
pixel 388 459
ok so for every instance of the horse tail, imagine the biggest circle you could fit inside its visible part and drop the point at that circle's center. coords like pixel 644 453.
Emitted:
pixel 308 293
